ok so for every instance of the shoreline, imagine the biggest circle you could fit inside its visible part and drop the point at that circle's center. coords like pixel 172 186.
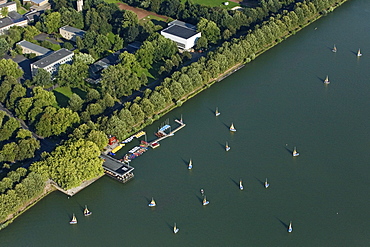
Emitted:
pixel 50 188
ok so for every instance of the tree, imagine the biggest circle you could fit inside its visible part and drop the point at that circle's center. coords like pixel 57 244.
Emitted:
pixel 126 116
pixel 75 102
pixel 22 107
pixel 71 163
pixel 83 58
pixel 147 107
pixel 99 138
pixel 176 90
pixel 129 19
pixel 43 98
pixel 51 22
pixel 23 134
pixel 137 113
pixel 92 95
pixel 209 29
pixel 94 109
pixel 17 92
pixel 9 151
pixel 4 46
pixel 72 74
pixel 157 100
pixel 27 148
pixel 42 78
pixel 102 44
pixel 10 68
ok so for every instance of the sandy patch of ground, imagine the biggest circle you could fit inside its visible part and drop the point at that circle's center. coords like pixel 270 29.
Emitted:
pixel 141 13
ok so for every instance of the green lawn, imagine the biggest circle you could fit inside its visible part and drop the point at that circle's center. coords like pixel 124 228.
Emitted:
pixel 64 93
pixel 21 11
pixel 112 1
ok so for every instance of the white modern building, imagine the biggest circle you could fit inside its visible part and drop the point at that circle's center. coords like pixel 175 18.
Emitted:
pixel 28 47
pixel 71 33
pixel 52 62
pixel 183 34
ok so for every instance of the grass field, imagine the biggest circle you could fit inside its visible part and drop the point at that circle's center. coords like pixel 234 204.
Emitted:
pixel 64 93
pixel 112 1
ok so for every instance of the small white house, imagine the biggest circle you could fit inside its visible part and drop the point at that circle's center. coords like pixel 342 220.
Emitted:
pixel 183 34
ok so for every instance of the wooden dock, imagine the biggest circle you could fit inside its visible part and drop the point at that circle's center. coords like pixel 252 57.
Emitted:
pixel 181 125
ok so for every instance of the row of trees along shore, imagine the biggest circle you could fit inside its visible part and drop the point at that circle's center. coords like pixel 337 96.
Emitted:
pixel 88 138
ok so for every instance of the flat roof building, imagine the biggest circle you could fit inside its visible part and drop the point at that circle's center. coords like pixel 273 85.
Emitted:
pixel 71 33
pixel 183 34
pixel 8 22
pixel 36 2
pixel 28 47
pixel 52 62
pixel 11 6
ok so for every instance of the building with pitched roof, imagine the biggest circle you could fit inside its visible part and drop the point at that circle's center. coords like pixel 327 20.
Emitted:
pixel 52 62
pixel 183 34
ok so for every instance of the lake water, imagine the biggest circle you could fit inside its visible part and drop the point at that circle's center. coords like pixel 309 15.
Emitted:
pixel 276 102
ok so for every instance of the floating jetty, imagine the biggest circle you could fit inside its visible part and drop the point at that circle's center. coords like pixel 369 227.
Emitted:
pixel 161 134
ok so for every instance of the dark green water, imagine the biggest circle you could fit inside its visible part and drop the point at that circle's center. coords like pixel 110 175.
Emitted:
pixel 276 102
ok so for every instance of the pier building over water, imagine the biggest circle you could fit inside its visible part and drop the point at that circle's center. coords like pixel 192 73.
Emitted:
pixel 116 169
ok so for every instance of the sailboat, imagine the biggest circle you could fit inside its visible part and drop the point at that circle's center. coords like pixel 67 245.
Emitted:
pixel 241 185
pixel 232 128
pixel 205 202
pixel 359 54
pixel 290 228
pixel 227 148
pixel 86 211
pixel 295 153
pixel 217 113
pixel 334 49
pixel 152 203
pixel 326 81
pixel 175 229
pixel 266 184
pixel 202 192
pixel 190 165
pixel 74 220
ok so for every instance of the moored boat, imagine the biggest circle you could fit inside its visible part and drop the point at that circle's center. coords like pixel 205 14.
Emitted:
pixel 175 229
pixel 190 165
pixel 152 203
pixel 266 184
pixel 87 212
pixel 290 228
pixel 326 81
pixel 295 153
pixel 205 202
pixel 232 128
pixel 74 220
